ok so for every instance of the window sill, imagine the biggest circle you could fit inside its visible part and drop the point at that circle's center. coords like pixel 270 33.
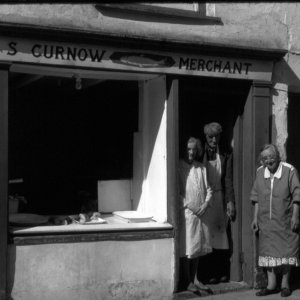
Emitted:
pixel 160 12
pixel 114 229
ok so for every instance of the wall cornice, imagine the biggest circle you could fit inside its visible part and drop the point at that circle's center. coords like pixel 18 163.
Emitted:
pixel 153 43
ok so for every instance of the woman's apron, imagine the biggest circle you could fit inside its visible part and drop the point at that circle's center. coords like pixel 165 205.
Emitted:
pixel 217 217
pixel 194 232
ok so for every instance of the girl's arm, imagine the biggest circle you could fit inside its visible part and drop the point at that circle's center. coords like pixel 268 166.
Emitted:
pixel 209 193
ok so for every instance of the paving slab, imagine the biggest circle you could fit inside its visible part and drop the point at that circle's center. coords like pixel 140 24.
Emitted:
pixel 233 291
pixel 249 295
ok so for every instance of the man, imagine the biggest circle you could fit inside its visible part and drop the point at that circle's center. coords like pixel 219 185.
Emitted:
pixel 220 177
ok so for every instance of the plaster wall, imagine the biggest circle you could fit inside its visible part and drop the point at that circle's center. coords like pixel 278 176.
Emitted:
pixel 279 118
pixel 263 29
pixel 286 73
pixel 94 270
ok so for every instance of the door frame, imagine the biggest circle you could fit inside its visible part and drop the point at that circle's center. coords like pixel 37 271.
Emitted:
pixel 3 178
pixel 255 126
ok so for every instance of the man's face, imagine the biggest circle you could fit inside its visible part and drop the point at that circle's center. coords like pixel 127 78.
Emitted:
pixel 191 152
pixel 213 140
pixel 270 160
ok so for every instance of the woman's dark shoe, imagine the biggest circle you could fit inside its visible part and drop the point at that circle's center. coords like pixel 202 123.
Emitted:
pixel 192 288
pixel 204 288
pixel 201 286
pixel 285 292
pixel 266 292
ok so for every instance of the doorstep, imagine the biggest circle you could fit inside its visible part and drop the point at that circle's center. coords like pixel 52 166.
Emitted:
pixel 216 289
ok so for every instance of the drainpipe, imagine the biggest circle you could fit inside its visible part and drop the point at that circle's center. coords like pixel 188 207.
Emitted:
pixel 279 117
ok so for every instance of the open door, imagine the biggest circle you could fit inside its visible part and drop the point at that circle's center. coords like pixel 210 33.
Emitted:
pixel 150 150
pixel 236 260
pixel 3 179
pixel 251 132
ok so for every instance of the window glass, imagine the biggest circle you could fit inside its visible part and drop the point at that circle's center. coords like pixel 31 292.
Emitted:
pixel 66 135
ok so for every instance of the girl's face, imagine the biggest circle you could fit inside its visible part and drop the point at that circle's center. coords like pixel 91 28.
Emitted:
pixel 191 152
pixel 270 160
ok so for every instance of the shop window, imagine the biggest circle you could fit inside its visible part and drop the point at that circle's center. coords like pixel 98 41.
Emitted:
pixel 191 6
pixel 64 140
pixel 81 145
pixel 202 8
pixel 182 12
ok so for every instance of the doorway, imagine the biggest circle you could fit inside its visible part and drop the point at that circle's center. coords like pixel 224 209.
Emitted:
pixel 292 150
pixel 205 100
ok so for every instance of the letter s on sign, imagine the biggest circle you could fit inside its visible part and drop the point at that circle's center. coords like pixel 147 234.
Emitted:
pixel 12 51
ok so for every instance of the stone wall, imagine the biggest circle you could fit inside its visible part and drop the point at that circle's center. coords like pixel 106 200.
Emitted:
pixel 100 270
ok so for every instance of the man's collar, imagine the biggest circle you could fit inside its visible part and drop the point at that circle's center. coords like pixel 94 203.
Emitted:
pixel 210 149
pixel 277 174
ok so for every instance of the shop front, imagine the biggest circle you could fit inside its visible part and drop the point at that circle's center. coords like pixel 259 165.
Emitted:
pixel 98 127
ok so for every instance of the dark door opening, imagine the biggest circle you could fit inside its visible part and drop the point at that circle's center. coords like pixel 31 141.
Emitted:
pixel 292 150
pixel 205 100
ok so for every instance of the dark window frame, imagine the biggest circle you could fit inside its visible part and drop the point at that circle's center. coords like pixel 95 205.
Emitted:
pixel 181 15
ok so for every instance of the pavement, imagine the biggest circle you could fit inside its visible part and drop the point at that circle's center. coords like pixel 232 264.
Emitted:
pixel 233 291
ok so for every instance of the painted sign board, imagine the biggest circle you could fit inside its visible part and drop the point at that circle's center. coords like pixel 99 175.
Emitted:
pixel 121 59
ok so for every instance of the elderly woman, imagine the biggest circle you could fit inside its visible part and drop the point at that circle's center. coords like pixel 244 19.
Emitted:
pixel 276 198
pixel 195 196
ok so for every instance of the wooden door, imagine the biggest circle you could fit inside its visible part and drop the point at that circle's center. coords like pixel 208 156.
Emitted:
pixel 236 260
pixel 3 177
pixel 251 132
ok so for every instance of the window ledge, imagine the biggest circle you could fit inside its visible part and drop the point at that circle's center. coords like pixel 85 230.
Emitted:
pixel 112 230
pixel 87 228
